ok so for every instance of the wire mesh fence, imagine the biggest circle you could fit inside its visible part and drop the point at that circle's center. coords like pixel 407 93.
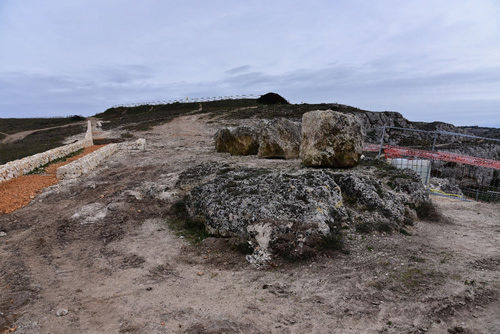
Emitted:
pixel 471 162
pixel 483 193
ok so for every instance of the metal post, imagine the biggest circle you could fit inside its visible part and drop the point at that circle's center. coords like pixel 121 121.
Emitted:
pixel 477 195
pixel 434 142
pixel 381 143
pixel 428 173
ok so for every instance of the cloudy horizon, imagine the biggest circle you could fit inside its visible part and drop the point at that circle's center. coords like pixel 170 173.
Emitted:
pixel 431 60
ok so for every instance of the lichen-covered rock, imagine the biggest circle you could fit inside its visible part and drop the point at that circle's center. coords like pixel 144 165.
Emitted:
pixel 270 207
pixel 201 173
pixel 373 203
pixel 242 140
pixel 331 139
pixel 279 138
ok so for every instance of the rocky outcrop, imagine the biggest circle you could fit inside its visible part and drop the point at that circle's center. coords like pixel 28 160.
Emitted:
pixel 377 203
pixel 445 186
pixel 279 138
pixel 331 139
pixel 293 212
pixel 242 140
pixel 276 210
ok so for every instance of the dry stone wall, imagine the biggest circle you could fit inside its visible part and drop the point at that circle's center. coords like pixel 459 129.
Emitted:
pixel 92 160
pixel 86 163
pixel 25 165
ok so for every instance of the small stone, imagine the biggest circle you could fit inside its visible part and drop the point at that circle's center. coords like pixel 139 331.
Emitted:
pixel 3 234
pixel 200 273
pixel 61 312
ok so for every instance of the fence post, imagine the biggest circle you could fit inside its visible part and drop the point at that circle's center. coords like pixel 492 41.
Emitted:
pixel 477 195
pixel 381 143
pixel 434 142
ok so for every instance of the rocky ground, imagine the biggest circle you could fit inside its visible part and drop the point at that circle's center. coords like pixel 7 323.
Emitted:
pixel 96 255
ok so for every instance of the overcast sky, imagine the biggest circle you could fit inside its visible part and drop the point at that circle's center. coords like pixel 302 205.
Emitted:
pixel 428 59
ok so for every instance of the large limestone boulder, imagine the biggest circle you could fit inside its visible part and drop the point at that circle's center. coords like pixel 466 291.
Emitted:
pixel 292 212
pixel 331 139
pixel 279 138
pixel 242 140
pixel 289 212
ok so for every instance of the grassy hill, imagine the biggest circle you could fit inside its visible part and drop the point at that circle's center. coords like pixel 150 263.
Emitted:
pixel 38 141
pixel 15 125
pixel 144 117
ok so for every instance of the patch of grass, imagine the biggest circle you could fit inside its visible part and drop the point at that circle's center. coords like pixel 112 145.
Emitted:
pixel 127 135
pixel 41 169
pixel 142 118
pixel 191 228
pixel 414 258
pixel 333 242
pixel 419 278
pixel 446 257
pixel 14 125
pixel 383 227
pixel 37 142
pixel 404 232
pixel 2 136
pixel 471 282
pixel 412 277
pixel 240 245
pixel 364 228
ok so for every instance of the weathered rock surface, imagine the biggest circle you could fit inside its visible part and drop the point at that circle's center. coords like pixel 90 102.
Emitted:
pixel 276 209
pixel 242 140
pixel 279 138
pixel 292 212
pixel 375 203
pixel 445 186
pixel 331 139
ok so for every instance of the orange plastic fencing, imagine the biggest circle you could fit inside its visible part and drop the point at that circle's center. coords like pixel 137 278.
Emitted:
pixel 398 152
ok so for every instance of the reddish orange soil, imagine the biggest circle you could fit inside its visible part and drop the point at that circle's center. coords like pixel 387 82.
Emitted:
pixel 17 193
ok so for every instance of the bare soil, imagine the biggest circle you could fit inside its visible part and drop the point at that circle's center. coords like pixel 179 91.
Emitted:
pixel 100 248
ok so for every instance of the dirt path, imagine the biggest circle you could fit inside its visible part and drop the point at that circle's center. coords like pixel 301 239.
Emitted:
pixel 99 248
pixel 10 138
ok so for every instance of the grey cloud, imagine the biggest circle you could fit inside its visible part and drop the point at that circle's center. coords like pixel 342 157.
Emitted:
pixel 239 69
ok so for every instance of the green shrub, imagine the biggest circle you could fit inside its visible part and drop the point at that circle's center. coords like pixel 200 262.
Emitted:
pixel 191 228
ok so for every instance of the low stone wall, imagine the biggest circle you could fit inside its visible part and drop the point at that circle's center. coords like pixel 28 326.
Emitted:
pixel 23 166
pixel 90 161
pixel 138 145
pixel 86 163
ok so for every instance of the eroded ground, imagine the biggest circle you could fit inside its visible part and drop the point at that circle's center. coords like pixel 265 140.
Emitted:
pixel 99 247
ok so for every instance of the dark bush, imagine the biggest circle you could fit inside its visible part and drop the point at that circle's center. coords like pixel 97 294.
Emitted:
pixel 429 212
pixel 272 98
